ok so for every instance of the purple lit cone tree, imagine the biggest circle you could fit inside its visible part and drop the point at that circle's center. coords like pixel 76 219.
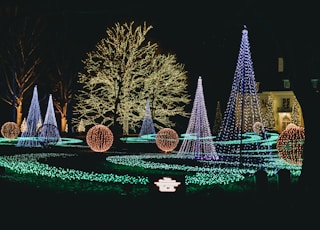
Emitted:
pixel 198 140
pixel 49 133
pixel 241 115
pixel 29 138
pixel 147 127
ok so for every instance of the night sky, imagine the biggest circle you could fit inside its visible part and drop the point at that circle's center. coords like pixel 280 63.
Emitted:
pixel 204 35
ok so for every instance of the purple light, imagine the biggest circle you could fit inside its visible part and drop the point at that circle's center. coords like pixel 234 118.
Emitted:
pixel 198 139
pixel 242 113
pixel 147 124
pixel 34 121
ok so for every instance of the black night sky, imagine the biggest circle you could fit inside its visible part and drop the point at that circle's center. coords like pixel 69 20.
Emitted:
pixel 204 35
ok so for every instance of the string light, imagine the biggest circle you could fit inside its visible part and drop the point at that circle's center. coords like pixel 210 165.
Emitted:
pixel 147 127
pixel 49 134
pixel 242 114
pixel 34 121
pixel 200 142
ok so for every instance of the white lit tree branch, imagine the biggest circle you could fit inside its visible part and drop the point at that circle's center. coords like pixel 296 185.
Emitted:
pixel 121 74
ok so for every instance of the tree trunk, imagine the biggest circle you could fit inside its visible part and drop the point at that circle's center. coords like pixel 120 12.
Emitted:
pixel 19 114
pixel 63 116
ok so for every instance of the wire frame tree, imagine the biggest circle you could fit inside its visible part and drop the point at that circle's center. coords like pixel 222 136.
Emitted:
pixel 242 114
pixel 49 132
pixel 29 138
pixel 121 74
pixel 198 140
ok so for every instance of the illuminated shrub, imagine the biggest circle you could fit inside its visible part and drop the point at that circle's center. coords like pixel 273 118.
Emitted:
pixel 290 144
pixel 10 130
pixel 99 138
pixel 167 139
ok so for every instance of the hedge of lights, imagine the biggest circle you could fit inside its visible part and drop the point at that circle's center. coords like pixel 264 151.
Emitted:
pixel 208 174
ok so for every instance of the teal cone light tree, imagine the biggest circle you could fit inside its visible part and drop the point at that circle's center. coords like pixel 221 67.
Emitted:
pixel 241 115
pixel 198 140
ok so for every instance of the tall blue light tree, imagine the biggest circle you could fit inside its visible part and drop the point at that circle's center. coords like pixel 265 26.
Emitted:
pixel 49 134
pixel 198 140
pixel 29 138
pixel 147 124
pixel 242 115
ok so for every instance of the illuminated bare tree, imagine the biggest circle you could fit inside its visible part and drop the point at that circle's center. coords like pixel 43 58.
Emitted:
pixel 19 60
pixel 121 74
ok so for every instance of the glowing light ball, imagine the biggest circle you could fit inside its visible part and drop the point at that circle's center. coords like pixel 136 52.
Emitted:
pixel 167 139
pixel 99 138
pixel 290 145
pixel 10 130
pixel 258 127
pixel 291 125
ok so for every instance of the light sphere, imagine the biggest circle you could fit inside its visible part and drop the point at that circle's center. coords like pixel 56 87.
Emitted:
pixel 258 127
pixel 291 125
pixel 290 145
pixel 10 130
pixel 167 139
pixel 99 138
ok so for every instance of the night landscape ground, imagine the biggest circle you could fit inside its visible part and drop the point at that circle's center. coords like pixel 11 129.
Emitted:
pixel 55 201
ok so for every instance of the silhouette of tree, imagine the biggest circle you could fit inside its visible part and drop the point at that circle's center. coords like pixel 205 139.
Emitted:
pixel 20 59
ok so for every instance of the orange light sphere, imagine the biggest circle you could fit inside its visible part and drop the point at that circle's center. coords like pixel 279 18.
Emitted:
pixel 290 145
pixel 99 138
pixel 167 139
pixel 10 130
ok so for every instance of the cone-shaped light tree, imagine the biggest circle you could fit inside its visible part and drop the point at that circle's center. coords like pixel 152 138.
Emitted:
pixel 147 124
pixel 242 113
pixel 198 139
pixel 49 133
pixel 29 138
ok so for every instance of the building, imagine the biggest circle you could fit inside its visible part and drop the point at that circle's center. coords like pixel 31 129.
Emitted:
pixel 282 107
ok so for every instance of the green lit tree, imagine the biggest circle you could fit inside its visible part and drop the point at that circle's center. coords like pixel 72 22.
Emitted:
pixel 268 115
pixel 218 119
pixel 121 74
pixel 295 115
